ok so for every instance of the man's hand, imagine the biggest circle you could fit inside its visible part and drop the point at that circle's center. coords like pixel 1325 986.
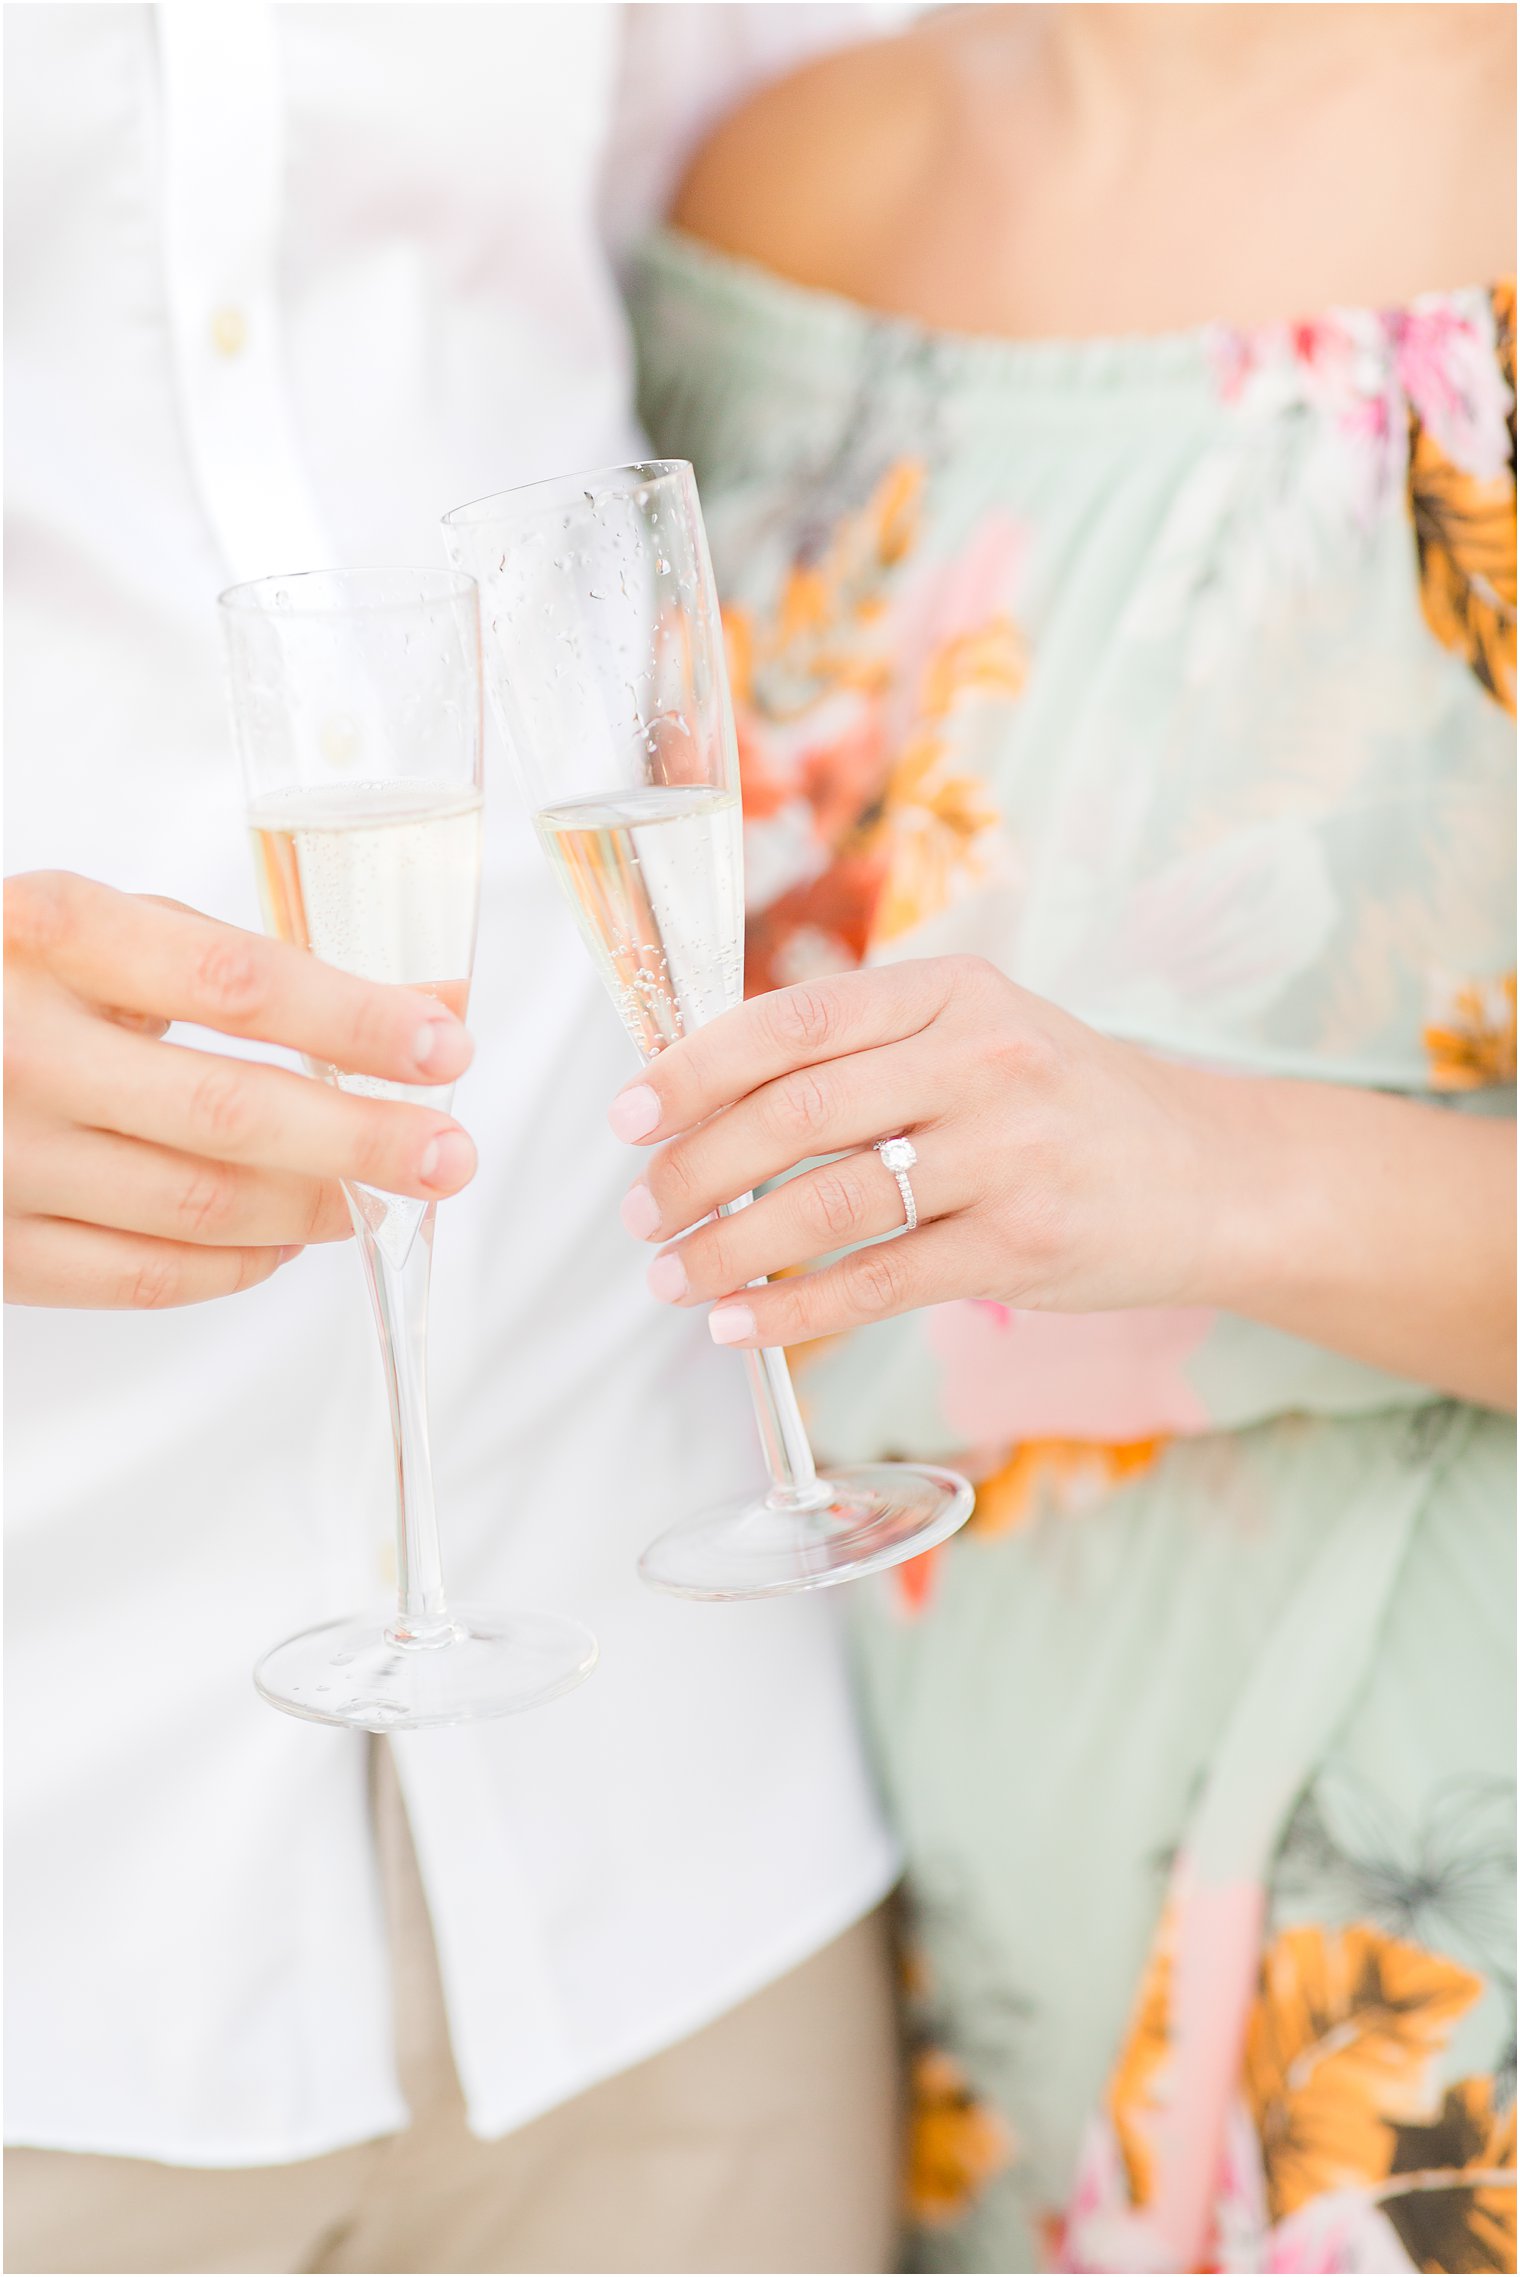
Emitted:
pixel 143 1173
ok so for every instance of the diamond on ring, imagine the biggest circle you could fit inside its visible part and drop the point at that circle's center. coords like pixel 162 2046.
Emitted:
pixel 899 1156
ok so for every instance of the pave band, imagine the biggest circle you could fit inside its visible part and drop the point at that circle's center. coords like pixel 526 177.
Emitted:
pixel 899 1156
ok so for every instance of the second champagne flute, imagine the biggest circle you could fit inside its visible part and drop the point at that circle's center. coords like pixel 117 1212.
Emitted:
pixel 604 661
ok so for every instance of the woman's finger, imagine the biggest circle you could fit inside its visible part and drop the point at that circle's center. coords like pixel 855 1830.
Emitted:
pixel 49 1261
pixel 852 1200
pixel 235 1110
pixel 141 956
pixel 99 1178
pixel 922 1268
pixel 771 1035
pixel 814 1110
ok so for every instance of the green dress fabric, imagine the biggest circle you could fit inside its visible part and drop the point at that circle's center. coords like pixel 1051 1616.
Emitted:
pixel 1173 675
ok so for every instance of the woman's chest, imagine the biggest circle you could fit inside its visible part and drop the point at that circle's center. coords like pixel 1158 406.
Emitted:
pixel 1182 709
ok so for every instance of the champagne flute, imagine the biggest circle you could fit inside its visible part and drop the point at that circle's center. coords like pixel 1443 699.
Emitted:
pixel 604 661
pixel 356 707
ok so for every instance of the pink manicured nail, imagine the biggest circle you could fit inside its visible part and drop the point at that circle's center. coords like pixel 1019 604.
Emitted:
pixel 730 1324
pixel 667 1279
pixel 640 1212
pixel 634 1113
pixel 448 1162
pixel 443 1046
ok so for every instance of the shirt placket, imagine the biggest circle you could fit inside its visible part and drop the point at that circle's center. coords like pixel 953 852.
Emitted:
pixel 223 172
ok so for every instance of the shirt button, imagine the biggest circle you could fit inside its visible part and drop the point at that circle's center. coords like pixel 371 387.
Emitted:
pixel 229 331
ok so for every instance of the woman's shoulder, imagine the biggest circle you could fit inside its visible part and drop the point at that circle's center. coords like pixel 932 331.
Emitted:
pixel 810 177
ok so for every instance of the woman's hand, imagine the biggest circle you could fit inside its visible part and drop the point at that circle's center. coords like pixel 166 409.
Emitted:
pixel 140 1173
pixel 1056 1169
pixel 1061 1171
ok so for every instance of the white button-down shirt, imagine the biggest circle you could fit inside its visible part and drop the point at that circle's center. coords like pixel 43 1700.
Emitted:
pixel 279 292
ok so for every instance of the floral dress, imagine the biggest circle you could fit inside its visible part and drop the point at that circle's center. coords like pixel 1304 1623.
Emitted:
pixel 1174 675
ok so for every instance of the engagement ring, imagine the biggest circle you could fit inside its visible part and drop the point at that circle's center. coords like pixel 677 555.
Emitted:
pixel 899 1155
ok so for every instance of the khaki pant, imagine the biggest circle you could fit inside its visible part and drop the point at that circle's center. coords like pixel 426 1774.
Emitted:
pixel 769 2141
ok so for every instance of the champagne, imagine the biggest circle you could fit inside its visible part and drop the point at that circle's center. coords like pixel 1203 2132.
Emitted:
pixel 655 877
pixel 382 880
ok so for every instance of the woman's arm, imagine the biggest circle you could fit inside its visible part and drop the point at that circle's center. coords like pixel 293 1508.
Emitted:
pixel 1059 1170
pixel 1377 1226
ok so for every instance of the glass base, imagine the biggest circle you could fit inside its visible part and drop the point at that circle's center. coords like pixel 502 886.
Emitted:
pixel 867 1518
pixel 487 1664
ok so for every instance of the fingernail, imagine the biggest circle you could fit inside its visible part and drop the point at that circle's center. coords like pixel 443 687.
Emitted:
pixel 667 1279
pixel 443 1046
pixel 448 1162
pixel 286 1255
pixel 634 1113
pixel 730 1324
pixel 640 1212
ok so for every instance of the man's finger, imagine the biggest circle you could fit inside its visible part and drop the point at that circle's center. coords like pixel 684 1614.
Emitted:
pixel 49 1261
pixel 98 1178
pixel 237 1110
pixel 140 956
pixel 770 1036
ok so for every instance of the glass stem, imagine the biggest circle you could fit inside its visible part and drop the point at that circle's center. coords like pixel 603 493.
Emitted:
pixel 795 1484
pixel 399 1295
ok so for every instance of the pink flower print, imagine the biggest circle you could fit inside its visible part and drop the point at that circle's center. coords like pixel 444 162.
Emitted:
pixel 1448 370
pixel 1342 2231
pixel 1114 1376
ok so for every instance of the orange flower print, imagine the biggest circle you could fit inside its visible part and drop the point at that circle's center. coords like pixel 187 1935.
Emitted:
pixel 816 929
pixel 930 830
pixel 1339 2052
pixel 1067 1474
pixel 956 2144
pixel 1464 526
pixel 852 696
pixel 914 1581
pixel 1450 2194
pixel 1465 539
pixel 1471 1038
pixel 1133 2097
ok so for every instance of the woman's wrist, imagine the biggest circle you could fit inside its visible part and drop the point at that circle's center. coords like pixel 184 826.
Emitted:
pixel 1250 1203
pixel 1380 1227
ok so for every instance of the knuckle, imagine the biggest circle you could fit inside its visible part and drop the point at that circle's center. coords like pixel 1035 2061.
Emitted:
pixel 672 1182
pixel 834 1203
pixel 324 1216
pixel 206 1202
pixel 377 1156
pixel 804 1018
pixel 230 980
pixel 153 1284
pixel 711 1260
pixel 799 1107
pixel 372 1028
pixel 220 1109
pixel 874 1279
pixel 41 909
pixel 253 1266
pixel 1026 1055
pixel 972 975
